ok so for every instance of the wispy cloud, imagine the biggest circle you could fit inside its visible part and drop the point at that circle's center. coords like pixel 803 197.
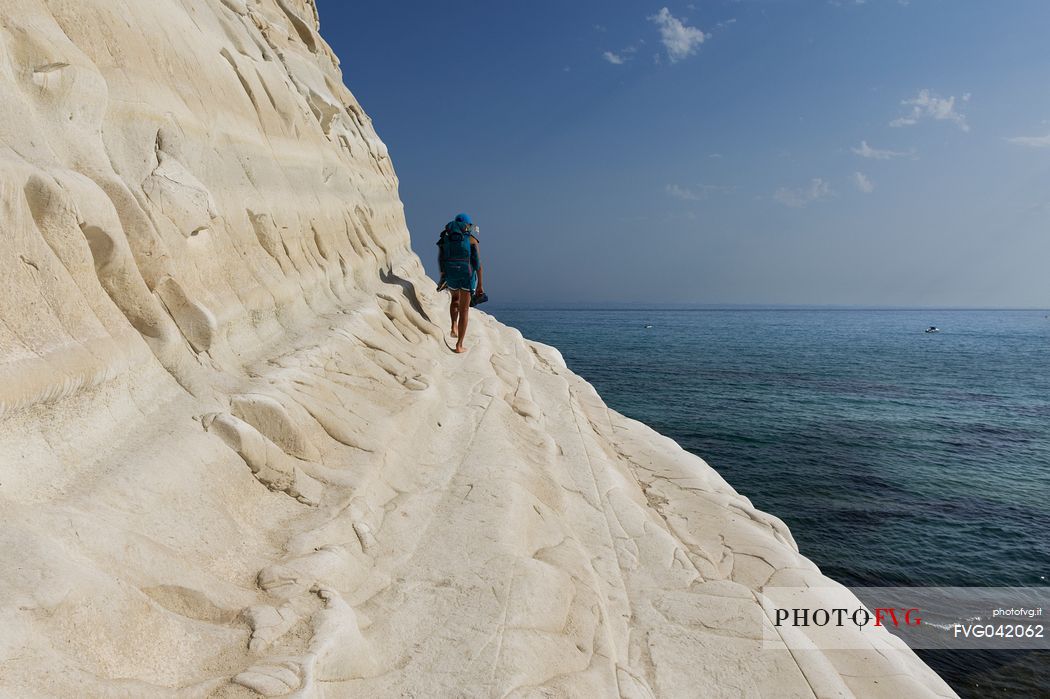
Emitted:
pixel 680 40
pixel 863 183
pixel 618 58
pixel 797 198
pixel 1031 141
pixel 848 3
pixel 866 151
pixel 697 193
pixel 926 105
pixel 679 192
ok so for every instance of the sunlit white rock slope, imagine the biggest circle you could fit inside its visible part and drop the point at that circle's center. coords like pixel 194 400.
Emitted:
pixel 237 456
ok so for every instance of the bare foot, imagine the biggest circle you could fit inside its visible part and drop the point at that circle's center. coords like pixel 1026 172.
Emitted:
pixel 454 333
pixel 460 349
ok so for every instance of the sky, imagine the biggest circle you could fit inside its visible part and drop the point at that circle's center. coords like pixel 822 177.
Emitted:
pixel 818 152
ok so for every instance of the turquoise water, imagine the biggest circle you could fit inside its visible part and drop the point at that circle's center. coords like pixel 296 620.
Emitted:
pixel 896 457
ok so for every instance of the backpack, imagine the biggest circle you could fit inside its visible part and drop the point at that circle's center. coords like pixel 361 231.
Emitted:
pixel 455 243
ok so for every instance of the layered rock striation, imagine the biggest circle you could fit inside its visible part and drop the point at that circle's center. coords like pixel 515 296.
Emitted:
pixel 237 457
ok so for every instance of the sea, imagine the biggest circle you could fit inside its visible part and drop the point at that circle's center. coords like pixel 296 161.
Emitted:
pixel 897 457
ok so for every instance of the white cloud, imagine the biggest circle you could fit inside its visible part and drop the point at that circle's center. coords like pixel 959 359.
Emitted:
pixel 927 105
pixel 797 198
pixel 866 151
pixel 697 193
pixel 680 40
pixel 1031 141
pixel 863 183
pixel 679 192
pixel 618 58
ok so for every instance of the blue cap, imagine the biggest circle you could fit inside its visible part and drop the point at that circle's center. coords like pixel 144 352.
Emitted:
pixel 463 218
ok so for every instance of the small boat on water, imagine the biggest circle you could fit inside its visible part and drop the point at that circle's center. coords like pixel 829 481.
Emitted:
pixel 933 329
pixel 648 326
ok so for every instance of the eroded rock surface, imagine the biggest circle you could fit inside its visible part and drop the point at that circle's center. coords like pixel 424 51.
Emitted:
pixel 237 457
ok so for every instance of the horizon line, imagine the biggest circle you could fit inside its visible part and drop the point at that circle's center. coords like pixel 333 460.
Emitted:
pixel 639 305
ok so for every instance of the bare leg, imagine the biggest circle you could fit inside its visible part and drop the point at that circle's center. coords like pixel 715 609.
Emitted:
pixel 464 308
pixel 453 310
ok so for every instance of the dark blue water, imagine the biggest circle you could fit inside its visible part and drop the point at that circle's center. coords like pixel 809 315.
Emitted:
pixel 896 457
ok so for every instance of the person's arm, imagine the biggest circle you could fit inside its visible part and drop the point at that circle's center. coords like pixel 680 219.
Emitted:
pixel 441 259
pixel 475 261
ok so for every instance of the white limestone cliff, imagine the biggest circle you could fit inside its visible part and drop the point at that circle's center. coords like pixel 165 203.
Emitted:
pixel 237 457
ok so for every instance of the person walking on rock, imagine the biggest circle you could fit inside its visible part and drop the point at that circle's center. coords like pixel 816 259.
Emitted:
pixel 461 273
